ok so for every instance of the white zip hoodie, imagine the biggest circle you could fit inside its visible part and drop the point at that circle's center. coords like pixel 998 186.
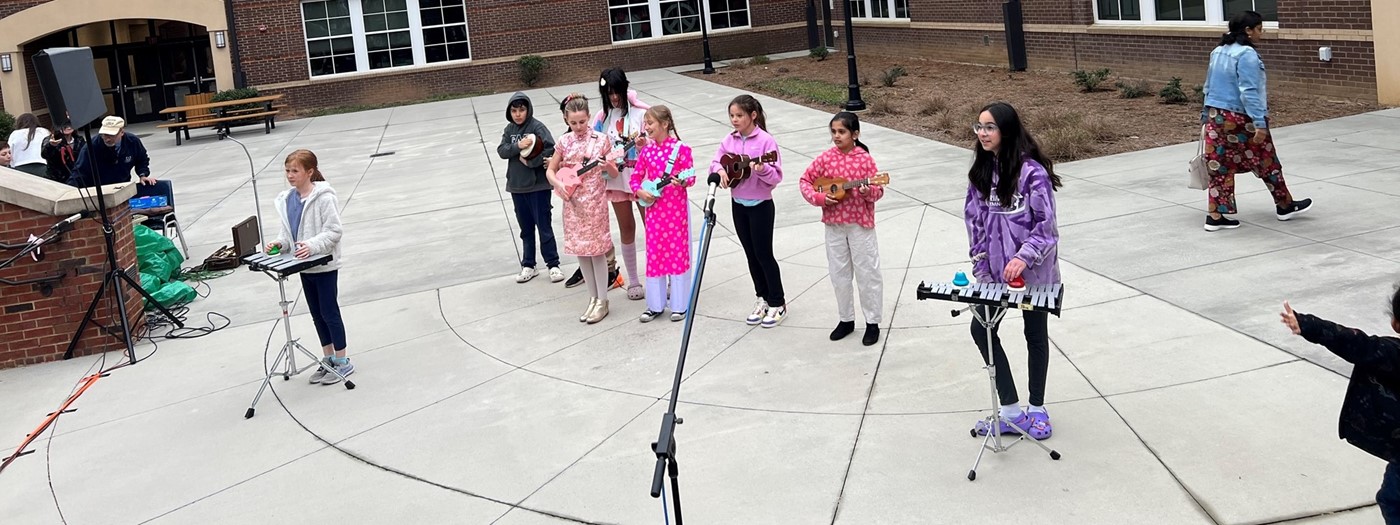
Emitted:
pixel 320 225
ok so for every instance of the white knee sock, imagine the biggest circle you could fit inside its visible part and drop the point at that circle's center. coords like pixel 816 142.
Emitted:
pixel 629 258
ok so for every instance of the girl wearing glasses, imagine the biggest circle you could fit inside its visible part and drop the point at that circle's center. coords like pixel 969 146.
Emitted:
pixel 1010 215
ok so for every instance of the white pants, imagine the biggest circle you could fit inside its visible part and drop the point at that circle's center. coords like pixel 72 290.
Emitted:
pixel 680 292
pixel 853 249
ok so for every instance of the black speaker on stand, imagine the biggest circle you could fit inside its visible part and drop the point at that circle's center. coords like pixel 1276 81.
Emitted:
pixel 69 83
pixel 1015 35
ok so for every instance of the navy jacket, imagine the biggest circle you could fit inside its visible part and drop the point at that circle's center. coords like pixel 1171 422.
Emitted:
pixel 1370 418
pixel 113 165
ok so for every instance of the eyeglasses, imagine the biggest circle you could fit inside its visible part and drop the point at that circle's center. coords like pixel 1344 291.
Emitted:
pixel 980 127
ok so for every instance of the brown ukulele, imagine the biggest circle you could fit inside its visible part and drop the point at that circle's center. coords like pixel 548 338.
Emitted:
pixel 739 167
pixel 836 188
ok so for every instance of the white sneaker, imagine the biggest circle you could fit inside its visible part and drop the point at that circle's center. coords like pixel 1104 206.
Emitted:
pixel 526 274
pixel 555 274
pixel 775 316
pixel 760 310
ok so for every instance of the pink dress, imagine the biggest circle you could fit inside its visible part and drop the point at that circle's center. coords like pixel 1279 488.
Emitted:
pixel 586 214
pixel 668 219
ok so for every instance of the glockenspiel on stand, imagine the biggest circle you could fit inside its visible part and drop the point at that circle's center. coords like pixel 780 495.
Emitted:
pixel 995 299
pixel 281 267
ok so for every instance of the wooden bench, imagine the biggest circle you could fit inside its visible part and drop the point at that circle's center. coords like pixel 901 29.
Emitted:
pixel 219 116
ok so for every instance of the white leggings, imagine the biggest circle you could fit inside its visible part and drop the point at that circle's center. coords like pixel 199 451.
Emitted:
pixel 595 275
pixel 680 292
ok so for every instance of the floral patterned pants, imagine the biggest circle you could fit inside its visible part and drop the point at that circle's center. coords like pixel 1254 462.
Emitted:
pixel 1228 151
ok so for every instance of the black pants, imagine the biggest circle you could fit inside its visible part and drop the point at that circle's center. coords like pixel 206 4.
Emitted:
pixel 320 291
pixel 1388 499
pixel 754 224
pixel 1037 345
pixel 532 211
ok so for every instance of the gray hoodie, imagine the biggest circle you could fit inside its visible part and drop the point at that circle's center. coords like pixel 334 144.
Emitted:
pixel 525 176
pixel 320 225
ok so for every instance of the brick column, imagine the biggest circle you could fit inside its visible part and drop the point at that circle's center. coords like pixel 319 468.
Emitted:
pixel 38 320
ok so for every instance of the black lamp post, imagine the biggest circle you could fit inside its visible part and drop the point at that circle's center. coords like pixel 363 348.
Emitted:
pixel 812 24
pixel 705 38
pixel 853 103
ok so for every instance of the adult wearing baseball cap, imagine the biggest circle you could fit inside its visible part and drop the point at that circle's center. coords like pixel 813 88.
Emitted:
pixel 116 153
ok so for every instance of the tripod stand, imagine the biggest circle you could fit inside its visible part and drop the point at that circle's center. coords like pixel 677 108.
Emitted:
pixel 989 317
pixel 116 275
pixel 665 445
pixel 287 357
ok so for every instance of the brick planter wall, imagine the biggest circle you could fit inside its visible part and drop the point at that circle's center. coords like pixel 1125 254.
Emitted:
pixel 35 328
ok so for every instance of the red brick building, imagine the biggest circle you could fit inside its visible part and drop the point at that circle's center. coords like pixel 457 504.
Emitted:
pixel 149 53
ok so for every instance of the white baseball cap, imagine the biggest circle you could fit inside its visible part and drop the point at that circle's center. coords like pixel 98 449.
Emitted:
pixel 112 125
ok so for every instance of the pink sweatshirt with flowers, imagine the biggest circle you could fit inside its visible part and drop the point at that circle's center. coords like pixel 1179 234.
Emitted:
pixel 856 208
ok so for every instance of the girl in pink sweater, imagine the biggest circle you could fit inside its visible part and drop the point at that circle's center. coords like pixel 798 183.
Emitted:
pixel 754 213
pixel 667 219
pixel 850 226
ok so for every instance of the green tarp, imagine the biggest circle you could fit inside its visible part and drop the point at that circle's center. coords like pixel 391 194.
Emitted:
pixel 159 263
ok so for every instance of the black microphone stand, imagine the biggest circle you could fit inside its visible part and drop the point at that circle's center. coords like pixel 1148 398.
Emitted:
pixel 665 445
pixel 116 275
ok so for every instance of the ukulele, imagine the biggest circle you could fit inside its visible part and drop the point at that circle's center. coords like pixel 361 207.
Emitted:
pixel 571 177
pixel 739 167
pixel 654 186
pixel 836 188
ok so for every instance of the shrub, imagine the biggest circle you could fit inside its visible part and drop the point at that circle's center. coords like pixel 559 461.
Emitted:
pixel 1089 81
pixel 236 94
pixel 1172 93
pixel 7 125
pixel 1198 93
pixel 1134 89
pixel 883 106
pixel 889 76
pixel 933 106
pixel 1066 135
pixel 759 60
pixel 819 53
pixel 531 69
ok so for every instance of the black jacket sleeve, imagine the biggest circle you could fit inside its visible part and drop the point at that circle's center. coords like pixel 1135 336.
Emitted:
pixel 1380 354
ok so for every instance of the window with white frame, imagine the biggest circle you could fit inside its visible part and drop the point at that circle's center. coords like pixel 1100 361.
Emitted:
pixel 1186 12
pixel 636 19
pixel 878 8
pixel 345 36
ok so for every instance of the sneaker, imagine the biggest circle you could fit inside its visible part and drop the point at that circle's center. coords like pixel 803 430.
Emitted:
pixel 677 317
pixel 843 329
pixel 872 334
pixel 320 373
pixel 648 316
pixel 345 370
pixel 615 277
pixel 526 274
pixel 775 316
pixel 555 274
pixel 575 280
pixel 1223 223
pixel 760 310
pixel 1293 210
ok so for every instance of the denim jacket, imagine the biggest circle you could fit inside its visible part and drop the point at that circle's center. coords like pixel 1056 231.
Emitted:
pixel 1236 82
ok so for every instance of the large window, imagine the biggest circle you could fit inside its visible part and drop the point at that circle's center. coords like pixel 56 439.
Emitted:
pixel 878 8
pixel 1187 12
pixel 635 19
pixel 345 36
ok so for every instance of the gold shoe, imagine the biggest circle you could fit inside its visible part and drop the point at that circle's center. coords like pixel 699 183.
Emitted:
pixel 599 311
pixel 592 303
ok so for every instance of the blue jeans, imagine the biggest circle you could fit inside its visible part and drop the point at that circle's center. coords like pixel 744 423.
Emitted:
pixel 532 211
pixel 320 292
pixel 1388 499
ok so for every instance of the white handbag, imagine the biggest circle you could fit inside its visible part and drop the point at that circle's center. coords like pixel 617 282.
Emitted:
pixel 1198 176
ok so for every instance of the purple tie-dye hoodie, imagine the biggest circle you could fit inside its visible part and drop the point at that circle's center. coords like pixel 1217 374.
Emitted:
pixel 1025 229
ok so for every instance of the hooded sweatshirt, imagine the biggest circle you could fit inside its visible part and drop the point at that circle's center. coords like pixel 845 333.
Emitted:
pixel 319 226
pixel 524 176
pixel 1024 228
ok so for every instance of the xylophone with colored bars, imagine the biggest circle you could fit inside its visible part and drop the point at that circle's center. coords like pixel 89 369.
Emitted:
pixel 1037 297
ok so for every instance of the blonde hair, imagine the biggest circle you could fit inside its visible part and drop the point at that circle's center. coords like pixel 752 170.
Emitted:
pixel 307 160
pixel 662 114
pixel 575 102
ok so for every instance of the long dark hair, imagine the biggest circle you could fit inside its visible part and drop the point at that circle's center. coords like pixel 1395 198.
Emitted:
pixel 851 122
pixel 751 105
pixel 613 81
pixel 28 120
pixel 1016 146
pixel 1238 24
pixel 1395 304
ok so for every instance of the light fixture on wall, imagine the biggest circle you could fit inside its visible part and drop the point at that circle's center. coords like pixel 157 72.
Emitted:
pixel 5 64
pixel 219 40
